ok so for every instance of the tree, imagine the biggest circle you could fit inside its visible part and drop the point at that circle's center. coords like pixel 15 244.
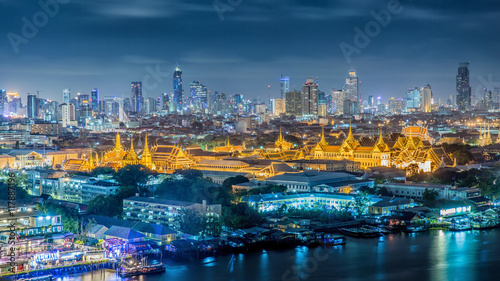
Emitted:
pixel 189 174
pixel 102 171
pixel 134 175
pixel 361 203
pixel 429 195
pixel 19 192
pixel 69 216
pixel 16 146
pixel 229 182
pixel 241 215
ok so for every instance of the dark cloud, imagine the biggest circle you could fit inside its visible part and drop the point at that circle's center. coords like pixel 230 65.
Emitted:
pixel 108 43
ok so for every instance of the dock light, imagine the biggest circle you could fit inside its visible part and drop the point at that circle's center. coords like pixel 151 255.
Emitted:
pixel 40 218
pixel 47 217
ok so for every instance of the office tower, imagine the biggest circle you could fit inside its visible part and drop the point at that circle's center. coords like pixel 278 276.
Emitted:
pixel 165 101
pixel 338 98
pixel 102 106
pixel 371 101
pixel 67 114
pixel 285 85
pixel 463 87
pixel 150 105
pixel 293 103
pixel 237 103
pixel 278 106
pixel 412 99
pixel 425 98
pixel 395 105
pixel 351 87
pixel 177 98
pixel 136 96
pixel 220 105
pixel 94 100
pixel 310 98
pixel 199 96
pixel 82 98
pixel 3 101
pixel 322 104
pixel 85 113
pixel 487 99
pixel 66 95
pixel 33 106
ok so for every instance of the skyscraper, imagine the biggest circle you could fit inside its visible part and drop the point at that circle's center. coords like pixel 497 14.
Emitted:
pixel 136 91
pixel 338 98
pixel 165 101
pixel 412 99
pixel 3 101
pixel 67 114
pixel 425 98
pixel 94 100
pixel 66 96
pixel 177 99
pixel 33 106
pixel 351 87
pixel 463 87
pixel 322 110
pixel 293 103
pixel 199 96
pixel 285 85
pixel 371 101
pixel 310 98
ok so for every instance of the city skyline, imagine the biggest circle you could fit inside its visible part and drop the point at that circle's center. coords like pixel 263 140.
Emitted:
pixel 246 56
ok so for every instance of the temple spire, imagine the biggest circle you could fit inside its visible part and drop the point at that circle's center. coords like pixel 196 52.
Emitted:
pixel 146 147
pixel 118 144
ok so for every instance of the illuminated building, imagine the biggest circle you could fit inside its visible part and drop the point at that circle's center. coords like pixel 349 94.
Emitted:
pixel 67 114
pixel 66 95
pixel 199 96
pixel 293 103
pixel 279 107
pixel 285 85
pixel 412 100
pixel 463 87
pixel 425 99
pixel 33 106
pixel 177 98
pixel 228 148
pixel 3 101
pixel 166 212
pixel 338 98
pixel 137 100
pixel 94 100
pixel 310 98
pixel 484 137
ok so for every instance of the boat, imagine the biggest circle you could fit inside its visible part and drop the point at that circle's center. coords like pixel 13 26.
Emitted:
pixel 329 239
pixel 484 224
pixel 460 227
pixel 415 229
pixel 38 278
pixel 143 270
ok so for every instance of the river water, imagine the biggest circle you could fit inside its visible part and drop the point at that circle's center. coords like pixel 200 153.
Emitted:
pixel 436 255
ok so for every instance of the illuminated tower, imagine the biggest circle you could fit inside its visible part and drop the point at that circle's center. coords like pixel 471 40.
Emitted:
pixel 177 99
pixel 463 87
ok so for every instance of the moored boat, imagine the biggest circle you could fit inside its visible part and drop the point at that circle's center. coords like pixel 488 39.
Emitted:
pixel 151 269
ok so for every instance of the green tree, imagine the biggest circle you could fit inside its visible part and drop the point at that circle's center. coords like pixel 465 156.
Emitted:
pixel 229 182
pixel 189 174
pixel 16 146
pixel 361 203
pixel 429 195
pixel 134 175
pixel 241 215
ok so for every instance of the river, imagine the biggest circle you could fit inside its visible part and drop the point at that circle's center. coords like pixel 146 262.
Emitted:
pixel 436 255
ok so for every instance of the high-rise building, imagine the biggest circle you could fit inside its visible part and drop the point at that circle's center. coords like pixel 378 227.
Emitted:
pixel 293 103
pixel 136 98
pixel 412 99
pixel 67 114
pixel 351 87
pixel 94 100
pixel 338 98
pixel 285 85
pixel 371 101
pixel 33 106
pixel 82 98
pixel 199 96
pixel 66 95
pixel 322 110
pixel 3 101
pixel 150 106
pixel 177 98
pixel 425 98
pixel 395 105
pixel 487 99
pixel 165 101
pixel 463 87
pixel 310 98
pixel 279 106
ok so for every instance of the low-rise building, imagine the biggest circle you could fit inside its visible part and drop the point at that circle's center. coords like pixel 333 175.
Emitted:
pixel 163 211
pixel 416 191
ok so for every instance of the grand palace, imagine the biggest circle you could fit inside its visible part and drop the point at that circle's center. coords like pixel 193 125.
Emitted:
pixel 410 149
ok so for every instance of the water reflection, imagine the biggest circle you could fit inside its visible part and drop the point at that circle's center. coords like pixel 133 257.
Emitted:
pixel 437 255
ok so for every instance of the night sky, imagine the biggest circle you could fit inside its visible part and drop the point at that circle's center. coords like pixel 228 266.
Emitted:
pixel 106 44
